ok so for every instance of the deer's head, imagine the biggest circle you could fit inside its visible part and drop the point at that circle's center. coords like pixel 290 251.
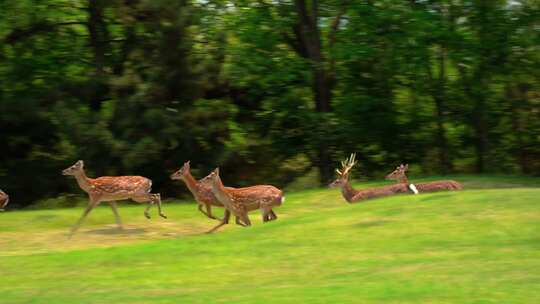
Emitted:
pixel 343 173
pixel 399 173
pixel 213 176
pixel 181 172
pixel 76 168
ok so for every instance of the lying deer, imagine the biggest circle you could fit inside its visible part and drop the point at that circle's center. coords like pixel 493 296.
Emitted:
pixel 442 185
pixel 239 201
pixel 351 195
pixel 4 200
pixel 111 189
pixel 201 190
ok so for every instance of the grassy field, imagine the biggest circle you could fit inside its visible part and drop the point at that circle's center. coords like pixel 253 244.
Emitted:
pixel 481 245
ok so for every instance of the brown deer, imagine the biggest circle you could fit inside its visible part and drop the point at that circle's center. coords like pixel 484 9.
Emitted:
pixel 201 190
pixel 111 189
pixel 239 201
pixel 4 200
pixel 351 195
pixel 442 185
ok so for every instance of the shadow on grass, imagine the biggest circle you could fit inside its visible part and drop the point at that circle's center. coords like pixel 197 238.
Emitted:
pixel 436 197
pixel 117 231
pixel 374 223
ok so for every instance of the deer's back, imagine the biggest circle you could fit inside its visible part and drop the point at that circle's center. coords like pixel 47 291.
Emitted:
pixel 380 192
pixel 121 185
pixel 255 196
pixel 438 186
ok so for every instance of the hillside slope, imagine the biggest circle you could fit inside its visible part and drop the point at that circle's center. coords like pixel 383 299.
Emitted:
pixel 474 246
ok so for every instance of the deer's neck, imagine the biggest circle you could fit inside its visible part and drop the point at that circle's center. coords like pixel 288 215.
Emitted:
pixel 347 191
pixel 191 183
pixel 219 192
pixel 83 181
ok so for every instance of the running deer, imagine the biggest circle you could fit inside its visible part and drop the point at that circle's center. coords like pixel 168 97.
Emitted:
pixel 239 201
pixel 442 185
pixel 4 200
pixel 201 190
pixel 351 195
pixel 111 189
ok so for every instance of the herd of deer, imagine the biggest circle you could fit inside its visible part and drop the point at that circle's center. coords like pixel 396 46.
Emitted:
pixel 210 191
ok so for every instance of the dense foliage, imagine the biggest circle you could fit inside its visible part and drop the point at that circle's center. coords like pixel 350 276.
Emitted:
pixel 269 90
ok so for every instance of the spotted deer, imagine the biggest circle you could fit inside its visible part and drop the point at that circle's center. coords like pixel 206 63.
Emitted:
pixel 239 201
pixel 4 200
pixel 401 178
pixel 201 190
pixel 111 189
pixel 352 195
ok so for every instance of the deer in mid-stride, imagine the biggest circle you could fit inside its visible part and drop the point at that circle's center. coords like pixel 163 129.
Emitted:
pixel 239 201
pixel 111 189
pixel 442 185
pixel 352 195
pixel 201 190
pixel 4 200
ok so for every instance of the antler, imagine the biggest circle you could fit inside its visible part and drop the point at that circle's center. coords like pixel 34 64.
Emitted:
pixel 346 165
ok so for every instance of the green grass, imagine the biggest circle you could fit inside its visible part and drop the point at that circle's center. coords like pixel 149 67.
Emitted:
pixel 475 246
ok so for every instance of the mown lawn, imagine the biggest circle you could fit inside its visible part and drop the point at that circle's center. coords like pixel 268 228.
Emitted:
pixel 481 245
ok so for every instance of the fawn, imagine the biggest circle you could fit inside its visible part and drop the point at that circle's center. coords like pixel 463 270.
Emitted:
pixel 401 178
pixel 111 189
pixel 239 201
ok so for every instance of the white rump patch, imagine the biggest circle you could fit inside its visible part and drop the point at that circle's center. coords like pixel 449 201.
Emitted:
pixel 413 188
pixel 283 199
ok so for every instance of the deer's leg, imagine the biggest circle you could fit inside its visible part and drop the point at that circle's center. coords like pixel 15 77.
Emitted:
pixel 225 221
pixel 91 204
pixel 157 198
pixel 272 215
pixel 238 222
pixel 245 218
pixel 116 215
pixel 151 198
pixel 208 211
pixel 266 214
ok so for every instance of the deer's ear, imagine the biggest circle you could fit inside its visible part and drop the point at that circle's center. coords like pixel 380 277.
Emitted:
pixel 187 164
pixel 406 166
pixel 217 170
pixel 80 163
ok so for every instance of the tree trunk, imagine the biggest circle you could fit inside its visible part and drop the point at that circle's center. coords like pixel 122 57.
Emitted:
pixel 439 95
pixel 309 46
pixel 480 129
pixel 99 42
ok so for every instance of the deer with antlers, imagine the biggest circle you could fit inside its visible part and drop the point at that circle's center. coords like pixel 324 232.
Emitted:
pixel 111 189
pixel 352 195
pixel 442 185
pixel 239 201
pixel 4 200
pixel 202 191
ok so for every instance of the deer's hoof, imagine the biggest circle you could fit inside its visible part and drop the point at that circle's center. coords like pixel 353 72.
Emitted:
pixel 147 216
pixel 163 215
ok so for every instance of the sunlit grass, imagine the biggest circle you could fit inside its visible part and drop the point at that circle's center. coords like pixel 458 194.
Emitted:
pixel 474 246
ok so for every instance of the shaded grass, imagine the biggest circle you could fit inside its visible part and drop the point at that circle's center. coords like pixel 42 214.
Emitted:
pixel 474 246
